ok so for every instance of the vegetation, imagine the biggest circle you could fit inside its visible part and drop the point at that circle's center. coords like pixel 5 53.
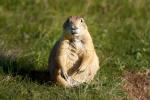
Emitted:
pixel 29 28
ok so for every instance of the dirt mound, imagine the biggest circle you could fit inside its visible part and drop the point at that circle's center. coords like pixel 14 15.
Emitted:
pixel 137 85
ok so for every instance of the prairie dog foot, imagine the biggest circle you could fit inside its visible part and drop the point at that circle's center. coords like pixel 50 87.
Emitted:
pixel 73 82
pixel 70 81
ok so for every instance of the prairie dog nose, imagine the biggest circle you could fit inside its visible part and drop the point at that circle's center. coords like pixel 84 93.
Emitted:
pixel 73 27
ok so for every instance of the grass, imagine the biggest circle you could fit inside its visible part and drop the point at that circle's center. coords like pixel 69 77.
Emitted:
pixel 29 28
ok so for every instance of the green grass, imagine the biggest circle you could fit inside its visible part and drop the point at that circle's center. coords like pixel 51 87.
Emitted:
pixel 29 28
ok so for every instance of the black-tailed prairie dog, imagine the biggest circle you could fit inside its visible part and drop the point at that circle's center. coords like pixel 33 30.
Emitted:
pixel 73 59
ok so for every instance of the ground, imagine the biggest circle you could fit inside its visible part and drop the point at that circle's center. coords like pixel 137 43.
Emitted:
pixel 137 85
pixel 121 34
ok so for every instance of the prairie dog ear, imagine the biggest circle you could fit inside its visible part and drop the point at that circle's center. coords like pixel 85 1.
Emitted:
pixel 82 16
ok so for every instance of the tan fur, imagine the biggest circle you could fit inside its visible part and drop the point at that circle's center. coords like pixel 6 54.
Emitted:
pixel 73 59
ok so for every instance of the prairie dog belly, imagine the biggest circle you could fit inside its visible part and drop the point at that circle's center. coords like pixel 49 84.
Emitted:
pixel 89 73
pixel 74 55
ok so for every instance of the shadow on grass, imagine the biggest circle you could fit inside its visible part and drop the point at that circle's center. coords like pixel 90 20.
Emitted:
pixel 14 66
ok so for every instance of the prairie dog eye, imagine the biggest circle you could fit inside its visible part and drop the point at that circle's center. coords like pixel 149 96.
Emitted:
pixel 81 20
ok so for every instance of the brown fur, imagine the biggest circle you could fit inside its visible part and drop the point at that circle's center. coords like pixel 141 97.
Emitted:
pixel 73 59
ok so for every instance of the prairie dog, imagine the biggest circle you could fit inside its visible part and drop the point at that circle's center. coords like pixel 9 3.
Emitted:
pixel 73 59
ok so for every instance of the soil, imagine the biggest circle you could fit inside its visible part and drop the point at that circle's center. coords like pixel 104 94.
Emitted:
pixel 137 85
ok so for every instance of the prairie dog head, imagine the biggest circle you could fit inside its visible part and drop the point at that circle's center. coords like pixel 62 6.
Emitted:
pixel 75 26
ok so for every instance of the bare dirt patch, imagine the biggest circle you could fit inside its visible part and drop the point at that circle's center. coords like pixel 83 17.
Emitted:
pixel 137 85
